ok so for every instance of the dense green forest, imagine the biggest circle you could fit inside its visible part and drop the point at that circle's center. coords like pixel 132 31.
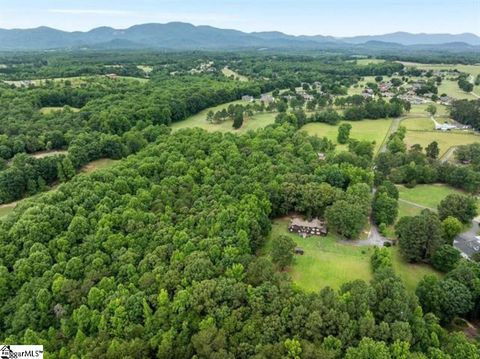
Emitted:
pixel 156 257
pixel 161 254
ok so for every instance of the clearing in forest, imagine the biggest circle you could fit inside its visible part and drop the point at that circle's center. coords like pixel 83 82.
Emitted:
pixel 329 262
pixel 369 130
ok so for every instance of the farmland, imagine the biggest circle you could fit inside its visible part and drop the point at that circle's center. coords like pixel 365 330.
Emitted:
pixel 229 73
pixel 445 140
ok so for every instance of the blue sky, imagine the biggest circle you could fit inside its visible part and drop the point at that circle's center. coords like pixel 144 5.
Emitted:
pixel 310 17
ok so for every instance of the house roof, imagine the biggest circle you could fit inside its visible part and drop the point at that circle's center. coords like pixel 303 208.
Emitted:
pixel 314 223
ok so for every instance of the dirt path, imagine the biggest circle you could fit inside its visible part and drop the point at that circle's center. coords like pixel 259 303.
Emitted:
pixel 448 154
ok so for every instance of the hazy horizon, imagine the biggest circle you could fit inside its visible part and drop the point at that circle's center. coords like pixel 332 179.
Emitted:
pixel 342 18
pixel 248 32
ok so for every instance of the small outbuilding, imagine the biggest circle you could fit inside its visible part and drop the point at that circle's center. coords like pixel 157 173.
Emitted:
pixel 299 251
pixel 315 227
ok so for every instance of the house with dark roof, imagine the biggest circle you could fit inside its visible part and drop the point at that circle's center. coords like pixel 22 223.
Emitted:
pixel 304 228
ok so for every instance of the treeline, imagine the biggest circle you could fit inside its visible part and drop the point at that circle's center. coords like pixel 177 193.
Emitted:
pixel 156 257
pixel 464 83
pixel 372 109
pixel 466 112
pixel 26 175
pixel 417 165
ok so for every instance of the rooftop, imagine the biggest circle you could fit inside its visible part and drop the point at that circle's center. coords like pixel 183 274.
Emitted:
pixel 314 223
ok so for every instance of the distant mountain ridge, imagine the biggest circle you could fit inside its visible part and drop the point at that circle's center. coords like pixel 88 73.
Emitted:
pixel 182 36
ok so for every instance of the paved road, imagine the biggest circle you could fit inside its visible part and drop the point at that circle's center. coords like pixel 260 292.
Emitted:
pixel 467 242
pixel 374 239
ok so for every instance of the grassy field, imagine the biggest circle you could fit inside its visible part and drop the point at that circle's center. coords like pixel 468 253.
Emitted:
pixel 451 89
pixel 44 154
pixel 471 69
pixel 407 210
pixel 445 139
pixel 410 273
pixel 77 80
pixel 200 120
pixel 5 209
pixel 428 195
pixel 48 110
pixel 228 73
pixel 371 130
pixel 145 68
pixel 328 262
pixel 420 110
pixel 325 262
pixel 98 165
pixel 369 61
pixel 418 124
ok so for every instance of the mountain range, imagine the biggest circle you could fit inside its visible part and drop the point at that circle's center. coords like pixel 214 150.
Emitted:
pixel 184 36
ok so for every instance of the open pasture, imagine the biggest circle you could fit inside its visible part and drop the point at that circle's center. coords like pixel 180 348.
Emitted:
pixel 369 130
pixel 445 140
pixel 329 262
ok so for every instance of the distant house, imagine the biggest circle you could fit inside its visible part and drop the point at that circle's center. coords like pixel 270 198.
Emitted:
pixel 445 127
pixel 112 76
pixel 267 99
pixel 384 86
pixel 321 156
pixel 288 97
pixel 315 227
pixel 247 98
pixel 308 97
pixel 446 100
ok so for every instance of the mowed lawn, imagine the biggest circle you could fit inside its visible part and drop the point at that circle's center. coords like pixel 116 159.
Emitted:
pixel 418 124
pixel 410 273
pixel 200 120
pixel 421 110
pixel 369 130
pixel 407 210
pixel 428 195
pixel 326 262
pixel 445 139
pixel 451 89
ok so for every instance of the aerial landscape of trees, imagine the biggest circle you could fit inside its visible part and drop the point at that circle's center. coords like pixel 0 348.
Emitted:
pixel 170 252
